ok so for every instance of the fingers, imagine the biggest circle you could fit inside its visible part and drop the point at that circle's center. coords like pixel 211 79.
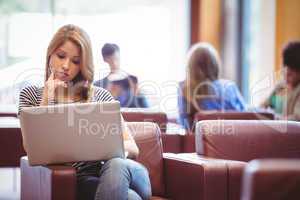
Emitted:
pixel 51 77
pixel 54 83
pixel 59 83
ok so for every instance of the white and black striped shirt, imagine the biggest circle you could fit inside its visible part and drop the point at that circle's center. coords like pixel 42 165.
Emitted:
pixel 32 96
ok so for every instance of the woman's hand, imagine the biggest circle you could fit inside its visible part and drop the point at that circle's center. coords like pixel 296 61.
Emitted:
pixel 50 89
pixel 130 146
pixel 131 149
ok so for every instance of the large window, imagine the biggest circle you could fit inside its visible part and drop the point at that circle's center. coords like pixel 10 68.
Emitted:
pixel 258 49
pixel 153 37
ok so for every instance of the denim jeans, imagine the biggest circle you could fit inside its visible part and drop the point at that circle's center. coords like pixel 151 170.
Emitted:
pixel 118 179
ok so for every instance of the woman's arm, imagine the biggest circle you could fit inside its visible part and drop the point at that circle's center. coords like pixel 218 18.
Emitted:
pixel 129 144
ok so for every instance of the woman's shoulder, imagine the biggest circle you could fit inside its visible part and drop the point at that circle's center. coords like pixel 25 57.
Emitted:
pixel 30 96
pixel 31 90
pixel 101 94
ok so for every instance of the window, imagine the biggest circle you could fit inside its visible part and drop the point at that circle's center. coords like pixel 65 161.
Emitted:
pixel 153 37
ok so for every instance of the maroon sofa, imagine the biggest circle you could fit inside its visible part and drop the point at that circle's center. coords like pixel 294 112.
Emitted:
pixel 224 148
pixel 276 179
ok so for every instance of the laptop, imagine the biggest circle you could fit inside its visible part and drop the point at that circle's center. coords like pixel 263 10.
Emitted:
pixel 72 132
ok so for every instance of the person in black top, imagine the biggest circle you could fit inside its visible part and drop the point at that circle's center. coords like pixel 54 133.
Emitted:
pixel 123 86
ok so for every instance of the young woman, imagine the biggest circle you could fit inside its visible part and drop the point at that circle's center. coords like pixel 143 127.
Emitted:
pixel 202 90
pixel 69 77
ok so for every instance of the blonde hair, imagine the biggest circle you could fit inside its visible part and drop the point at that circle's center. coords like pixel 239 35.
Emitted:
pixel 202 68
pixel 79 37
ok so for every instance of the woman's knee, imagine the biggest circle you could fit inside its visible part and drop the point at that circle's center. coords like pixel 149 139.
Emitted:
pixel 114 170
pixel 132 195
pixel 130 172
pixel 140 181
pixel 115 164
pixel 133 165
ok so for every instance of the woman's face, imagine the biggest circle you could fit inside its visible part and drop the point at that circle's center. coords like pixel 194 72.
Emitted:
pixel 65 61
pixel 292 77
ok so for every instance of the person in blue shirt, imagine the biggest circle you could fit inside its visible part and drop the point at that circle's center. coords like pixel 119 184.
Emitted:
pixel 123 86
pixel 202 90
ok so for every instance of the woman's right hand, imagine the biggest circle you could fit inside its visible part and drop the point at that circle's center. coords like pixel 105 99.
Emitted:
pixel 50 89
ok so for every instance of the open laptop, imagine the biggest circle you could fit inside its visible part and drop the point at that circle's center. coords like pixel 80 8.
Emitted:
pixel 72 132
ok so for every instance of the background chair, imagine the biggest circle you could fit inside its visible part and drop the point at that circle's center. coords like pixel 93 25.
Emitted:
pixel 10 142
pixel 146 115
pixel 188 141
pixel 276 179
pixel 172 143
pixel 224 148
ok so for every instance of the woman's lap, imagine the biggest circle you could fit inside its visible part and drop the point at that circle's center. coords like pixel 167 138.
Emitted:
pixel 117 177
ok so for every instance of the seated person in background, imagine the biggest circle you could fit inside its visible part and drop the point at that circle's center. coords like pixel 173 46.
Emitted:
pixel 285 98
pixel 123 86
pixel 202 90
pixel 69 75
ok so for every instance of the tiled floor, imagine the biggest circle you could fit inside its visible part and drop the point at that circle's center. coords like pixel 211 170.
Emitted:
pixel 9 183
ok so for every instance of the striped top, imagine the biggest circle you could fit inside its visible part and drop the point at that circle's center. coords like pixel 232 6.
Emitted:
pixel 32 96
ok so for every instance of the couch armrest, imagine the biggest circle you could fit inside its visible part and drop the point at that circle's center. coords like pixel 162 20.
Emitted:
pixel 47 182
pixel 275 179
pixel 188 178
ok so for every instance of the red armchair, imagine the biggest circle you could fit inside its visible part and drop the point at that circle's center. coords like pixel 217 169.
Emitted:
pixel 10 142
pixel 188 141
pixel 276 179
pixel 146 115
pixel 171 176
pixel 171 142
pixel 224 148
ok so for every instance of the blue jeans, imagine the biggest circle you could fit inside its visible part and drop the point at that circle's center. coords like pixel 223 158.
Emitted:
pixel 119 179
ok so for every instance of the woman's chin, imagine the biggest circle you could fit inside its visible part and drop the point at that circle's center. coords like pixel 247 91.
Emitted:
pixel 64 79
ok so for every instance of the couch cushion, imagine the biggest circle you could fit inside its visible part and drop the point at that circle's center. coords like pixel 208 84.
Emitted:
pixel 245 140
pixel 147 137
